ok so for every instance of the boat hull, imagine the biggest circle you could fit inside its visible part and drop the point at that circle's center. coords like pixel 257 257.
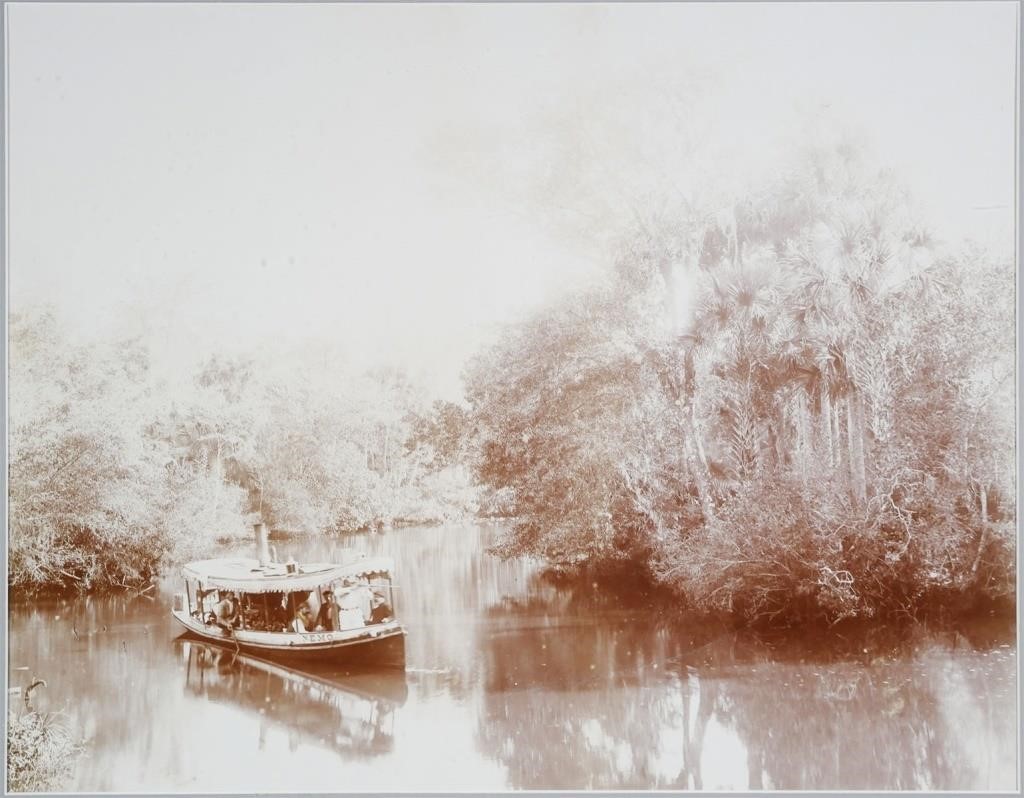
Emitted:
pixel 377 647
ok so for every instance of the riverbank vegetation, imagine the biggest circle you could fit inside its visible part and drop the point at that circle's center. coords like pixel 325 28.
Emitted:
pixel 786 400
pixel 41 752
pixel 115 471
pixel 786 403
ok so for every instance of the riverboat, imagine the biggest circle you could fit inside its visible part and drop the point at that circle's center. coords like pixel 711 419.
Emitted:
pixel 272 607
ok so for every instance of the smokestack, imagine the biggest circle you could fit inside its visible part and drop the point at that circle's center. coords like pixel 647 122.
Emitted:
pixel 262 544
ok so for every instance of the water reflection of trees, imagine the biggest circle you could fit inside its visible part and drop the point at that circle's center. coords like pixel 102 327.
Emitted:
pixel 625 701
pixel 580 689
pixel 848 727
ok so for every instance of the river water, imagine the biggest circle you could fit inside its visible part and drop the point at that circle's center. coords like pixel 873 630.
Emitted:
pixel 516 680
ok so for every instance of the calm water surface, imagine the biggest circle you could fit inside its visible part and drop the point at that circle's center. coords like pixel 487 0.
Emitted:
pixel 517 681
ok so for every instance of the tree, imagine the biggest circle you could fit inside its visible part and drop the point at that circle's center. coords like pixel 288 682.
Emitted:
pixel 811 438
pixel 85 483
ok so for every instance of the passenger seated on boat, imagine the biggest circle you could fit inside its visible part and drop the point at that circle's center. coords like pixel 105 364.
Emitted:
pixel 303 620
pixel 381 612
pixel 225 612
pixel 329 617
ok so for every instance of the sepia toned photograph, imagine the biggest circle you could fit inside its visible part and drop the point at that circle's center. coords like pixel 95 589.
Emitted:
pixel 494 397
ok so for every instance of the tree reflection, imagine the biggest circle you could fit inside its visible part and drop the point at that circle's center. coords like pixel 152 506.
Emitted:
pixel 620 700
pixel 582 690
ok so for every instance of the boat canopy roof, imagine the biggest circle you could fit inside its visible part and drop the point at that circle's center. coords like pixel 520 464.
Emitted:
pixel 248 576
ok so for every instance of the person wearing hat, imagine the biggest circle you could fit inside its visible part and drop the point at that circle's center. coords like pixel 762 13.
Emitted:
pixel 328 617
pixel 303 620
pixel 381 612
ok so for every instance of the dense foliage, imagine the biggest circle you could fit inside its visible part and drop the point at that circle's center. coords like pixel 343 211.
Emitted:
pixel 40 752
pixel 794 406
pixel 113 471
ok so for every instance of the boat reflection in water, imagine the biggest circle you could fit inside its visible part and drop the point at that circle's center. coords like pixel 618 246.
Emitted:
pixel 352 713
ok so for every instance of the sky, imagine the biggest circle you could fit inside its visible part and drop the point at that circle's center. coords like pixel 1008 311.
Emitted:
pixel 234 177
